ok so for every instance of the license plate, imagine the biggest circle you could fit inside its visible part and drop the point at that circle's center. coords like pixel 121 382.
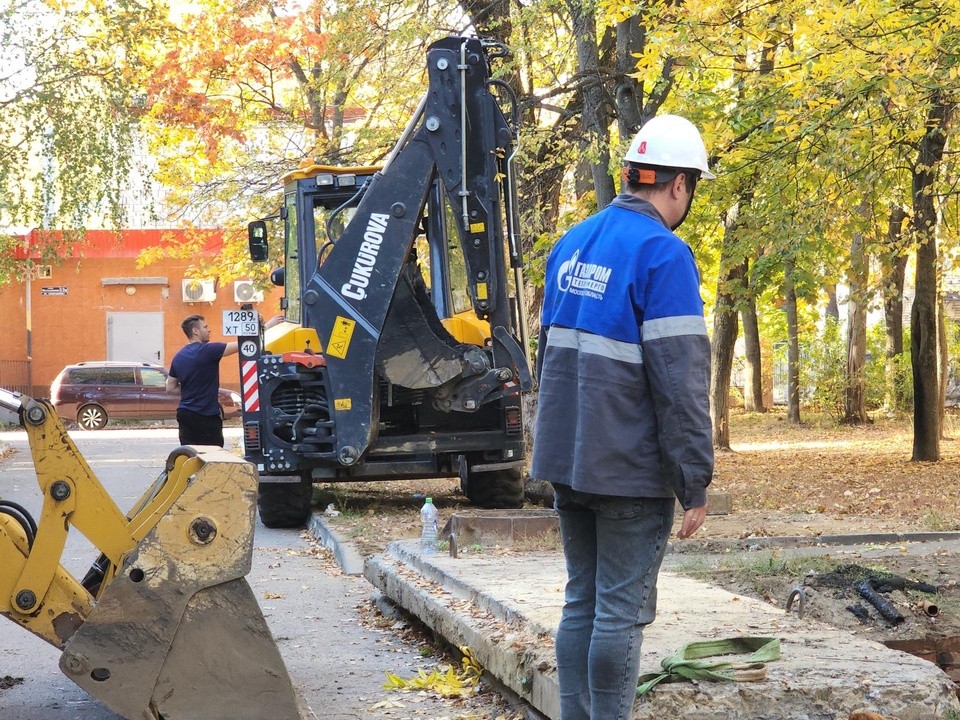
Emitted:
pixel 240 322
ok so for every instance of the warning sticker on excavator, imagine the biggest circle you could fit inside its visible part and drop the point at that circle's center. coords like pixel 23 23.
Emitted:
pixel 478 227
pixel 340 337
pixel 481 291
pixel 342 404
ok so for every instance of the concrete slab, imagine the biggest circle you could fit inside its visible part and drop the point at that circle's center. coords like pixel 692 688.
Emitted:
pixel 527 527
pixel 509 528
pixel 507 607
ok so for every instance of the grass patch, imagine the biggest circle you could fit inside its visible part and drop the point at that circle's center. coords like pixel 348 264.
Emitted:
pixel 936 521
pixel 765 564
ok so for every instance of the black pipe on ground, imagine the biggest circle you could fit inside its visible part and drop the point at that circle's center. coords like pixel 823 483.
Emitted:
pixel 887 611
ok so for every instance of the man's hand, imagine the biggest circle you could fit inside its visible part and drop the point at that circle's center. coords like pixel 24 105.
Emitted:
pixel 692 520
pixel 275 320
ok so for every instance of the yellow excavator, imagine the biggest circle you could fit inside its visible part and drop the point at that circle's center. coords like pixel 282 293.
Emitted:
pixel 405 352
pixel 164 625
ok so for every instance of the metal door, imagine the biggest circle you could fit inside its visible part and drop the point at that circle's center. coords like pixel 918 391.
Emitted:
pixel 135 336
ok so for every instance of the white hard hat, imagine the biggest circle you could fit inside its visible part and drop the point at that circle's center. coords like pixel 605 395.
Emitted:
pixel 670 141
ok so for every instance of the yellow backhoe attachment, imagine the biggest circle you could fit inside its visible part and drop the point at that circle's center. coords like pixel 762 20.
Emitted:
pixel 164 626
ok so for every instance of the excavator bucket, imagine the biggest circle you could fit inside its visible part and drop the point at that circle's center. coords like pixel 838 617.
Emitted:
pixel 164 626
pixel 178 632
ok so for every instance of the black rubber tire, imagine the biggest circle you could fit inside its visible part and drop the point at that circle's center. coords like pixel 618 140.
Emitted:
pixel 91 417
pixel 498 489
pixel 285 505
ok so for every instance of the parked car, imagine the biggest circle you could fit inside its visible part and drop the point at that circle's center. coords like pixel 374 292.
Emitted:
pixel 93 393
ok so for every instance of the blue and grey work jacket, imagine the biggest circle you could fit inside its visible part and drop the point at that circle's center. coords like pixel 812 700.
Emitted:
pixel 624 361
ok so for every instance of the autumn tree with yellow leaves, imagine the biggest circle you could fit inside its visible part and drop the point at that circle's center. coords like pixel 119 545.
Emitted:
pixel 829 127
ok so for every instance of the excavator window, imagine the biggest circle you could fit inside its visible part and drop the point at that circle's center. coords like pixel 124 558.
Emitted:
pixel 456 266
pixel 291 260
pixel 324 221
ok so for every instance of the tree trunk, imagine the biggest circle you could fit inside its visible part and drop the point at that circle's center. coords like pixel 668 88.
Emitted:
pixel 753 366
pixel 628 91
pixel 943 360
pixel 894 269
pixel 593 117
pixel 725 328
pixel 925 355
pixel 855 395
pixel 923 317
pixel 793 344
pixel 721 360
pixel 833 309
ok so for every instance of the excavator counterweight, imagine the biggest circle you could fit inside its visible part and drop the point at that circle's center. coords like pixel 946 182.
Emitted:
pixel 164 626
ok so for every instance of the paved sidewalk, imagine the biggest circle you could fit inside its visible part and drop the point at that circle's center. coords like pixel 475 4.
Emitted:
pixel 507 607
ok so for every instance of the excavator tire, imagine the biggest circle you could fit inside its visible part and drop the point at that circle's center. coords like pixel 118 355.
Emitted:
pixel 497 489
pixel 285 505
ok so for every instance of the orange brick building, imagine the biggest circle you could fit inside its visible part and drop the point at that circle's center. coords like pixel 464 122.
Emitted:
pixel 97 305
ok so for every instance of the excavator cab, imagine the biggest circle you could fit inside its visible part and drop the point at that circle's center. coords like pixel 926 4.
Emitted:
pixel 405 350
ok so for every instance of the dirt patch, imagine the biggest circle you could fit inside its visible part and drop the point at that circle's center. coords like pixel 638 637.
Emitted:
pixel 916 598
pixel 8 681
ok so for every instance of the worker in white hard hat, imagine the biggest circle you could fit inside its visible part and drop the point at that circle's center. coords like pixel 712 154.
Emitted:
pixel 623 427
pixel 665 147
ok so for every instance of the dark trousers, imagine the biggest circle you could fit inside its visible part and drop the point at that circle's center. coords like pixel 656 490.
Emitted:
pixel 196 429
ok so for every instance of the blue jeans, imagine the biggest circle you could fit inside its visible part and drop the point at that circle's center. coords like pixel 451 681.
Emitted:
pixel 613 548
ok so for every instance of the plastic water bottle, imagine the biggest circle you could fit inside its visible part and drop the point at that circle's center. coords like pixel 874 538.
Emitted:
pixel 428 533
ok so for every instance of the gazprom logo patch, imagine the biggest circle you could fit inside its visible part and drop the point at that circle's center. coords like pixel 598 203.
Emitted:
pixel 588 279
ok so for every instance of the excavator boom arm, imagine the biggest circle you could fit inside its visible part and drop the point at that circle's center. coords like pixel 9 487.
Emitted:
pixel 462 141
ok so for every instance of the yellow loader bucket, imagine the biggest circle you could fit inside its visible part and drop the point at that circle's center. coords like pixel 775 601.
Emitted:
pixel 165 626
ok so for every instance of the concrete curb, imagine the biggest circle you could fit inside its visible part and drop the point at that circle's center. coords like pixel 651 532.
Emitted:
pixel 516 653
pixel 347 557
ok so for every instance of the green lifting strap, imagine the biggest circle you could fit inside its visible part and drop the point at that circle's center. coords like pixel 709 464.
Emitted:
pixel 686 663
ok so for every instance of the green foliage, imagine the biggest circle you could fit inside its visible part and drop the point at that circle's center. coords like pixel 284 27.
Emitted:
pixel 889 384
pixel 953 348
pixel 823 371
pixel 584 206
pixel 936 521
pixel 753 567
pixel 824 374
pixel 70 100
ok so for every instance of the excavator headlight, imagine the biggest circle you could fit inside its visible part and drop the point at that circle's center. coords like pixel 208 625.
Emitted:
pixel 347 180
pixel 324 180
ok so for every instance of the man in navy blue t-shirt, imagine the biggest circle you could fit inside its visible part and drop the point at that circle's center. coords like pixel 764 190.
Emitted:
pixel 195 372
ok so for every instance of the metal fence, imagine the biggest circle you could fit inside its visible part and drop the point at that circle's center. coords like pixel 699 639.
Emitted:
pixel 15 375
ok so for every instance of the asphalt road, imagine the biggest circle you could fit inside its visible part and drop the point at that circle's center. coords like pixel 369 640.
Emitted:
pixel 336 646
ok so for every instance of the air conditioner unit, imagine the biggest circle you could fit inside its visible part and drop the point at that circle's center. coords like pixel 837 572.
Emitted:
pixel 196 290
pixel 244 291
